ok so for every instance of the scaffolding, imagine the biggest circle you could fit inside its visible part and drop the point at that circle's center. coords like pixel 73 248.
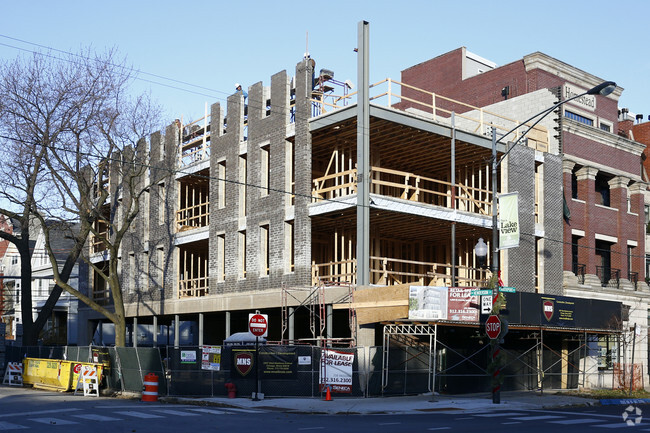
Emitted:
pixel 313 299
pixel 537 366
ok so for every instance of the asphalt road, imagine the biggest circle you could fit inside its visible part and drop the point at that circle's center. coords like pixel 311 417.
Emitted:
pixel 22 410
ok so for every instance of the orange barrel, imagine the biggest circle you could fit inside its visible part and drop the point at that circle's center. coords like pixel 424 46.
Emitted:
pixel 150 392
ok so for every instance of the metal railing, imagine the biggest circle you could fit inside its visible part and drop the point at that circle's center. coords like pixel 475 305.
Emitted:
pixel 633 277
pixel 580 269
pixel 609 277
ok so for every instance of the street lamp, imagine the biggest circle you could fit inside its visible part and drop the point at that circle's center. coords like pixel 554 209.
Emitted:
pixel 602 89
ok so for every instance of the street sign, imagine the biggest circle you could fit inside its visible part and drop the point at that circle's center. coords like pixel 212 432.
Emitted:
pixel 258 324
pixel 493 327
pixel 507 289
pixel 481 292
pixel 486 304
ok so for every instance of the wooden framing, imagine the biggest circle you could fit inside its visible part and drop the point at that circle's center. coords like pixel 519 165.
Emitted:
pixel 194 202
pixel 193 275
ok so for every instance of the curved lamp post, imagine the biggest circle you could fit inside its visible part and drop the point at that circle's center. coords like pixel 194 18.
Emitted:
pixel 602 89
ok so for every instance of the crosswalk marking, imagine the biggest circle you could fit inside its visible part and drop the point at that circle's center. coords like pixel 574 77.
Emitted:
pixel 39 412
pixel 211 411
pixel 535 417
pixel 496 414
pixel 620 424
pixel 9 426
pixel 53 421
pixel 138 414
pixel 175 412
pixel 576 421
pixel 236 409
pixel 96 417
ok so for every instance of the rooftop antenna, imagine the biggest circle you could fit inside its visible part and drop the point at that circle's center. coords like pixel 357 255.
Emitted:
pixel 306 44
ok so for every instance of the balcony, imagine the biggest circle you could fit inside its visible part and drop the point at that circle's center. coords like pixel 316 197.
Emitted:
pixel 609 277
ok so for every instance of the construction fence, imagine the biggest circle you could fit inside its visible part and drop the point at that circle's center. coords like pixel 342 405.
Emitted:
pixel 204 371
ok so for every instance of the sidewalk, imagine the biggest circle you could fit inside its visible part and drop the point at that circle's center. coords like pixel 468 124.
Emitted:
pixel 521 400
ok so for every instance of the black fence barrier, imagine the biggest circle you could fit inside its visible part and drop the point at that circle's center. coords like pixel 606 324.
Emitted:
pixel 124 367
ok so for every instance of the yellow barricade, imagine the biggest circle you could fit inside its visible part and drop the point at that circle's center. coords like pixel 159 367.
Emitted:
pixel 55 374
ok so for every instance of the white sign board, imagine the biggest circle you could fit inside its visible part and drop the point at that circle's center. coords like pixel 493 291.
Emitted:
pixel 211 358
pixel 336 371
pixel 486 304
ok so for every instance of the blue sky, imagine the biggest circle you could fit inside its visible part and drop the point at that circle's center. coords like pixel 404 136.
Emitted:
pixel 213 44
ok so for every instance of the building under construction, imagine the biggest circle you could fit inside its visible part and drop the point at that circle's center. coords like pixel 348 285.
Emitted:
pixel 323 206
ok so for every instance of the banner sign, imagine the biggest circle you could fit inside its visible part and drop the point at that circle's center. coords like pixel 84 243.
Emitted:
pixel 562 311
pixel 211 358
pixel 278 362
pixel 336 371
pixel 443 303
pixel 558 311
pixel 509 218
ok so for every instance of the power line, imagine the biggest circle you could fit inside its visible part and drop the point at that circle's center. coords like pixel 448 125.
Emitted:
pixel 127 72
pixel 512 166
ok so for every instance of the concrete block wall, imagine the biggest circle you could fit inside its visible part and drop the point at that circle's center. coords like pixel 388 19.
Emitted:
pixel 520 260
pixel 552 250
pixel 264 129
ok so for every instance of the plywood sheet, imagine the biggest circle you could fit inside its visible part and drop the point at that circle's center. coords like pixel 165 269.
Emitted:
pixel 377 304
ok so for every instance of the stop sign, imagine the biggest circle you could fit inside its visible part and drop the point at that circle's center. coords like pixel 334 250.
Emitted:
pixel 493 327
pixel 258 324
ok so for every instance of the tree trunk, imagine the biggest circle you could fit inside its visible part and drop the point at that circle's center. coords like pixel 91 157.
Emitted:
pixel 120 333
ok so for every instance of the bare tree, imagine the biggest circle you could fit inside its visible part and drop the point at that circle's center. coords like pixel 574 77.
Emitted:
pixel 71 124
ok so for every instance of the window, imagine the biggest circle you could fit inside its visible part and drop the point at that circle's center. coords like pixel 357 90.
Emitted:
pixel 132 273
pixel 290 172
pixel 265 169
pixel 289 246
pixel 264 250
pixel 242 185
pixel 574 183
pixel 144 273
pixel 146 204
pixel 160 253
pixel 242 254
pixel 604 253
pixel 161 203
pixel 605 127
pixel 574 254
pixel 602 188
pixel 578 118
pixel 14 259
pixel 607 349
pixel 221 194
pixel 221 257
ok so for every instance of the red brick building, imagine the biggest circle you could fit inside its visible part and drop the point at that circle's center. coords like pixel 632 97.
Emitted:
pixel 604 234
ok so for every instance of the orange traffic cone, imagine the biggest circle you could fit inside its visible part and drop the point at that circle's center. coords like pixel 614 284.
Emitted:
pixel 328 394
